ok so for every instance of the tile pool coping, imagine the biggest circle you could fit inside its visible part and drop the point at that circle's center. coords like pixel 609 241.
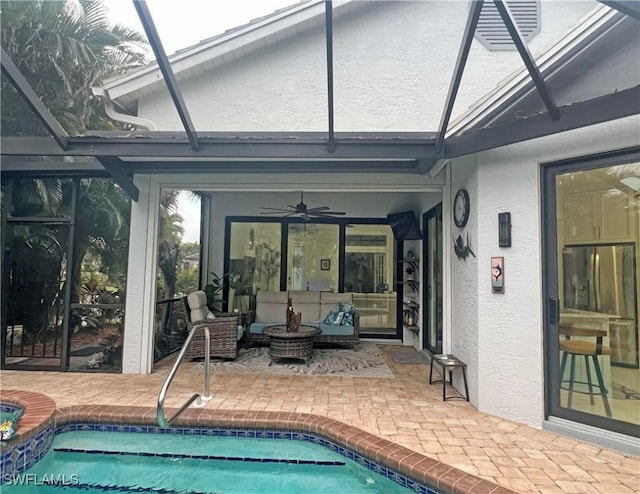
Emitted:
pixel 413 465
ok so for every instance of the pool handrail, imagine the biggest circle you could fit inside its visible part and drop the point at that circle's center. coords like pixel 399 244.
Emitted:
pixel 166 422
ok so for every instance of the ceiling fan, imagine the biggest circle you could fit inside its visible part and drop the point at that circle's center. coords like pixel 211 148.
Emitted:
pixel 302 210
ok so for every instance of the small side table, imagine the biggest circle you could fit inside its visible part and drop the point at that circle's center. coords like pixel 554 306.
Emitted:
pixel 449 363
pixel 295 345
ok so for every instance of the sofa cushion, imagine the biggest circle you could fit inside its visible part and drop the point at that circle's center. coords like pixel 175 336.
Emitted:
pixel 327 329
pixel 347 310
pixel 307 302
pixel 329 301
pixel 271 307
pixel 271 297
pixel 198 306
pixel 257 327
pixel 334 318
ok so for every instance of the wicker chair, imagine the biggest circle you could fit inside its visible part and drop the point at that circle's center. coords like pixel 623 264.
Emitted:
pixel 223 328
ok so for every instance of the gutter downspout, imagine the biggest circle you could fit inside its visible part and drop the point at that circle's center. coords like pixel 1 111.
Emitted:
pixel 110 109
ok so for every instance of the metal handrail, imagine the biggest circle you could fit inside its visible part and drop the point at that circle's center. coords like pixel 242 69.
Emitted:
pixel 201 399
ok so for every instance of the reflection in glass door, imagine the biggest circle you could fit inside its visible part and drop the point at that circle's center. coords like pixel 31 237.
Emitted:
pixel 432 226
pixel 592 288
pixel 369 272
pixel 312 261
pixel 253 261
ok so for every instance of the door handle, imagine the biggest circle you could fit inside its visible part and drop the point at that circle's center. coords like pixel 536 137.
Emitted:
pixel 553 310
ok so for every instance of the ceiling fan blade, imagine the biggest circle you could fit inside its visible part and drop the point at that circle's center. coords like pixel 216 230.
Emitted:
pixel 329 213
pixel 319 208
pixel 277 209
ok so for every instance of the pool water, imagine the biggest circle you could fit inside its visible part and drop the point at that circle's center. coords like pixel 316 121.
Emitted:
pixel 6 410
pixel 92 462
pixel 4 416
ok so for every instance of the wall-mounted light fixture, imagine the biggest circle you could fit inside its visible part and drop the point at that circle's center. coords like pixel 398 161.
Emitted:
pixel 504 229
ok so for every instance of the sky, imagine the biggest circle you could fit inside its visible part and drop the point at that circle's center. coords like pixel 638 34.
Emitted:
pixel 184 23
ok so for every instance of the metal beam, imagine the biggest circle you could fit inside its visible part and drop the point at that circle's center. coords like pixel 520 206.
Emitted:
pixel 31 98
pixel 528 60
pixel 591 112
pixel 425 165
pixel 167 71
pixel 627 7
pixel 339 166
pixel 463 53
pixel 328 6
pixel 120 175
pixel 95 168
pixel 261 136
pixel 290 147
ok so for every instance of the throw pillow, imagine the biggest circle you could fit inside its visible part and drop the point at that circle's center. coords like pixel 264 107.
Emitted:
pixel 334 318
pixel 348 311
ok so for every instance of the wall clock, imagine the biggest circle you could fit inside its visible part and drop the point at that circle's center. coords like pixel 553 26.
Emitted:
pixel 461 208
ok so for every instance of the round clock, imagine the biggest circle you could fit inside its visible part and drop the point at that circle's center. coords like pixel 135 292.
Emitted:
pixel 461 208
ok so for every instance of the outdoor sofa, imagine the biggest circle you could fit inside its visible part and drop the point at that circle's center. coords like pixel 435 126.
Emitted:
pixel 271 310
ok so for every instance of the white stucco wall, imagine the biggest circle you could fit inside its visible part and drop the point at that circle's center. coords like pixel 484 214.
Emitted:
pixel 508 361
pixel 393 63
pixel 137 355
pixel 464 278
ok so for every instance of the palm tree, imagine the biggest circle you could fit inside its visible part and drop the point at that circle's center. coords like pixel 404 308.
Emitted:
pixel 169 239
pixel 63 48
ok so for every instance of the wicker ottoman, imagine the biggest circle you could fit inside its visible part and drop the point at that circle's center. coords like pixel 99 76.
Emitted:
pixel 298 345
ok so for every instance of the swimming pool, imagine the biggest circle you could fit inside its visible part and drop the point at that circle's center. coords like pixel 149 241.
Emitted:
pixel 127 459
pixel 8 409
pixel 42 422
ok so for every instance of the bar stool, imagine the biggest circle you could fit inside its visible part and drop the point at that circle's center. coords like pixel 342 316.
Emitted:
pixel 590 351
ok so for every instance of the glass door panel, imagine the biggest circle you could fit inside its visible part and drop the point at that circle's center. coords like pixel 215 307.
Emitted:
pixel 254 261
pixel 312 260
pixel 370 274
pixel 433 273
pixel 597 231
pixel 36 270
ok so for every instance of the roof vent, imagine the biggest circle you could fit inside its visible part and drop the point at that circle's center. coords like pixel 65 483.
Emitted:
pixel 492 32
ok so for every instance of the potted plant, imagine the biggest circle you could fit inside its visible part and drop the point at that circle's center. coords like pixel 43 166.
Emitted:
pixel 213 291
pixel 270 262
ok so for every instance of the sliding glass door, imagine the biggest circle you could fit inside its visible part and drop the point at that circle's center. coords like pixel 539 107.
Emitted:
pixel 432 328
pixel 369 273
pixel 253 261
pixel 312 261
pixel 357 256
pixel 592 227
